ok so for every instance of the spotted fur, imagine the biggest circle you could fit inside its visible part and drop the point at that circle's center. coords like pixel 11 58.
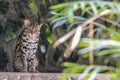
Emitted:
pixel 25 54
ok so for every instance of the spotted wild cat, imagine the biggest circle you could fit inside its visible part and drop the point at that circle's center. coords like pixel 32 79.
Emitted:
pixel 25 54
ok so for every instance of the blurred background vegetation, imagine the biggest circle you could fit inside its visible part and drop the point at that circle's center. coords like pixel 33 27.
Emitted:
pixel 79 36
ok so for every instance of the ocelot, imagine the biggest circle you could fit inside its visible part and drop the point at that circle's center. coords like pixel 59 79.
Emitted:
pixel 25 59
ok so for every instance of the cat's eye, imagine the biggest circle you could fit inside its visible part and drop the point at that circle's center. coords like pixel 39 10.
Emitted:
pixel 30 30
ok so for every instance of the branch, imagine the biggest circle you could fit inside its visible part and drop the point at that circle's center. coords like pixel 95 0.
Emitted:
pixel 69 34
pixel 105 19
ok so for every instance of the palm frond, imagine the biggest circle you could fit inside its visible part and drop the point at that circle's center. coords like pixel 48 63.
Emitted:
pixel 68 9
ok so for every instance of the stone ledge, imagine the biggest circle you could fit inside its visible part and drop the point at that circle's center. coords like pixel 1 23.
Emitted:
pixel 46 76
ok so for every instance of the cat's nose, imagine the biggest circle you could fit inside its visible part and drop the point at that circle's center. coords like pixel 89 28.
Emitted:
pixel 33 34
pixel 31 31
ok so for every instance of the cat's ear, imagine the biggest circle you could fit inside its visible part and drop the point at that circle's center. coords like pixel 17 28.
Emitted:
pixel 39 26
pixel 27 23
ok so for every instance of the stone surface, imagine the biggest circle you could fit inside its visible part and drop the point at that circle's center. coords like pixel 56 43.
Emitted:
pixel 46 76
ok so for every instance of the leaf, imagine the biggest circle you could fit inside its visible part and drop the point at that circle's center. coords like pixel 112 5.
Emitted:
pixel 94 73
pixel 70 16
pixel 77 20
pixel 108 51
pixel 115 55
pixel 71 19
pixel 100 25
pixel 94 8
pixel 68 52
pixel 86 9
pixel 33 7
pixel 63 38
pixel 82 5
pixel 84 74
pixel 118 7
pixel 100 44
pixel 75 6
pixel 73 43
pixel 54 17
pixel 103 4
pixel 57 24
pixel 60 6
pixel 80 18
pixel 51 38
pixel 58 19
pixel 76 38
pixel 112 6
pixel 73 67
pixel 69 64
pixel 72 25
pixel 83 44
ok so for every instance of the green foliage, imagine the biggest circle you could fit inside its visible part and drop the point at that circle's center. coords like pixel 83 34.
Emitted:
pixel 65 11
pixel 3 7
pixel 73 68
pixel 50 37
pixel 105 41
pixel 33 7
pixel 10 34
pixel 59 6
pixel 87 72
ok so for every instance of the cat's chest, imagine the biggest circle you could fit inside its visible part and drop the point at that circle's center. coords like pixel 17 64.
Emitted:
pixel 28 45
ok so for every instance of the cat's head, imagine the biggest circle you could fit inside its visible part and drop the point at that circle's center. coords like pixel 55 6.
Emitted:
pixel 32 29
